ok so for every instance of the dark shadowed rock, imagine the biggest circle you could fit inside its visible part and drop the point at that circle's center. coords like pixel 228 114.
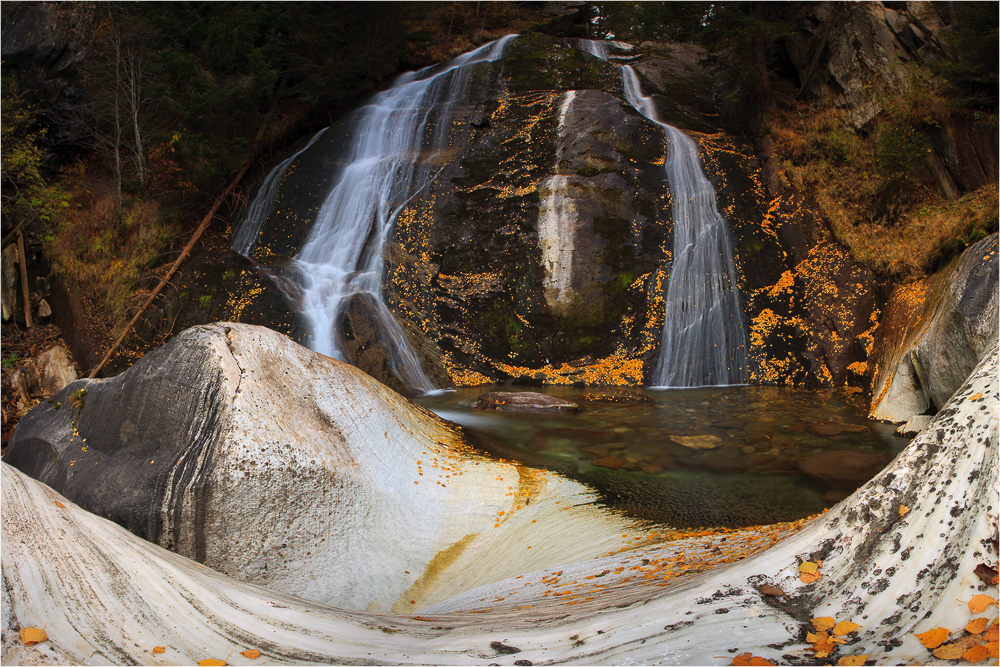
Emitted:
pixel 524 401
pixel 933 334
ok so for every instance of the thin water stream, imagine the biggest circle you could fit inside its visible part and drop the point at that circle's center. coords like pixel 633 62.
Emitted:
pixel 692 457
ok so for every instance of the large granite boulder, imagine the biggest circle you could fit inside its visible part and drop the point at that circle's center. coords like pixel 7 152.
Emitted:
pixel 933 333
pixel 238 448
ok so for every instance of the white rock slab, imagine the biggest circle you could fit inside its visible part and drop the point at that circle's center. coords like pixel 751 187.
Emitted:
pixel 105 596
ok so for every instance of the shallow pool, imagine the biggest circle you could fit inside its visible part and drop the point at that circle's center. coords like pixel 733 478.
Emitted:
pixel 720 456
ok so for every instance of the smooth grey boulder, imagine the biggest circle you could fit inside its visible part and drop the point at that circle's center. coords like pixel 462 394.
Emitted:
pixel 238 448
pixel 933 335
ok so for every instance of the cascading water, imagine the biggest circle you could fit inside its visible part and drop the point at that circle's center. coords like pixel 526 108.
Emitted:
pixel 397 137
pixel 248 228
pixel 704 335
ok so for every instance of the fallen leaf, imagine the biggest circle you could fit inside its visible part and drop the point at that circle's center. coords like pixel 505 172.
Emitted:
pixel 159 649
pixel 979 603
pixel 773 591
pixel 744 659
pixel 994 649
pixel 59 504
pixel 844 628
pixel 903 509
pixel 991 632
pixel 810 577
pixel 986 573
pixel 852 660
pixel 31 636
pixel 933 638
pixel 808 566
pixel 976 396
pixel 949 652
pixel 252 654
pixel 207 662
pixel 976 653
pixel 823 623
pixel 977 625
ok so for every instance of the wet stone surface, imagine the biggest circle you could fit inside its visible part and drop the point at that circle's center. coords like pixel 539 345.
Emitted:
pixel 694 457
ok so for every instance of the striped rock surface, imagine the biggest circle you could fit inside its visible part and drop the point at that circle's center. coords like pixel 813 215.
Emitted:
pixel 895 558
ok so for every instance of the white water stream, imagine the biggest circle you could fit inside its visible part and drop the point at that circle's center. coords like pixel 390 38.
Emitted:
pixel 247 230
pixel 704 336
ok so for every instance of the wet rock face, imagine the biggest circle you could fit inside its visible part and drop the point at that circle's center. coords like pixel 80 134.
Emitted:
pixel 934 333
pixel 540 250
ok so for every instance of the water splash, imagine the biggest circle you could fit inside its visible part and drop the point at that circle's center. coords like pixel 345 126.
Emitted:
pixel 248 229
pixel 704 334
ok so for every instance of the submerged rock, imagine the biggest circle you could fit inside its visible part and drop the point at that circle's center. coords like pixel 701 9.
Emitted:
pixel 524 401
pixel 844 469
pixel 697 441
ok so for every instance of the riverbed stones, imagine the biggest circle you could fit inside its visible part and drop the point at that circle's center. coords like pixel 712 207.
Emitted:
pixel 697 441
pixel 524 401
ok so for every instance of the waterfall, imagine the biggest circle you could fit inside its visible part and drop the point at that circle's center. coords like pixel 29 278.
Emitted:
pixel 704 335
pixel 397 140
pixel 248 228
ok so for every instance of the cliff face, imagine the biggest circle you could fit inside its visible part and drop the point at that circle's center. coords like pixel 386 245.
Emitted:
pixel 541 249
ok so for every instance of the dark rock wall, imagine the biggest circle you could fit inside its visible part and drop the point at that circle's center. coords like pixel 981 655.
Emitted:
pixel 470 263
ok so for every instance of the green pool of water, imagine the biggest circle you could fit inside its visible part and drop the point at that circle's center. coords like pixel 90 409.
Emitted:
pixel 730 456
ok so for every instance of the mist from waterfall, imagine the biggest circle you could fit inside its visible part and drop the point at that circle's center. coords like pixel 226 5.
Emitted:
pixel 704 335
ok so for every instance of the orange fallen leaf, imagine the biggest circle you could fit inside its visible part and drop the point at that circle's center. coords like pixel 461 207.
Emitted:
pixel 159 649
pixel 977 625
pixel 852 660
pixel 979 603
pixel 994 649
pixel 949 651
pixel 745 659
pixel 991 632
pixel 810 577
pixel 208 662
pixel 844 628
pixel 903 509
pixel 976 396
pixel 31 636
pixel 823 623
pixel 252 654
pixel 976 653
pixel 933 638
pixel 59 504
